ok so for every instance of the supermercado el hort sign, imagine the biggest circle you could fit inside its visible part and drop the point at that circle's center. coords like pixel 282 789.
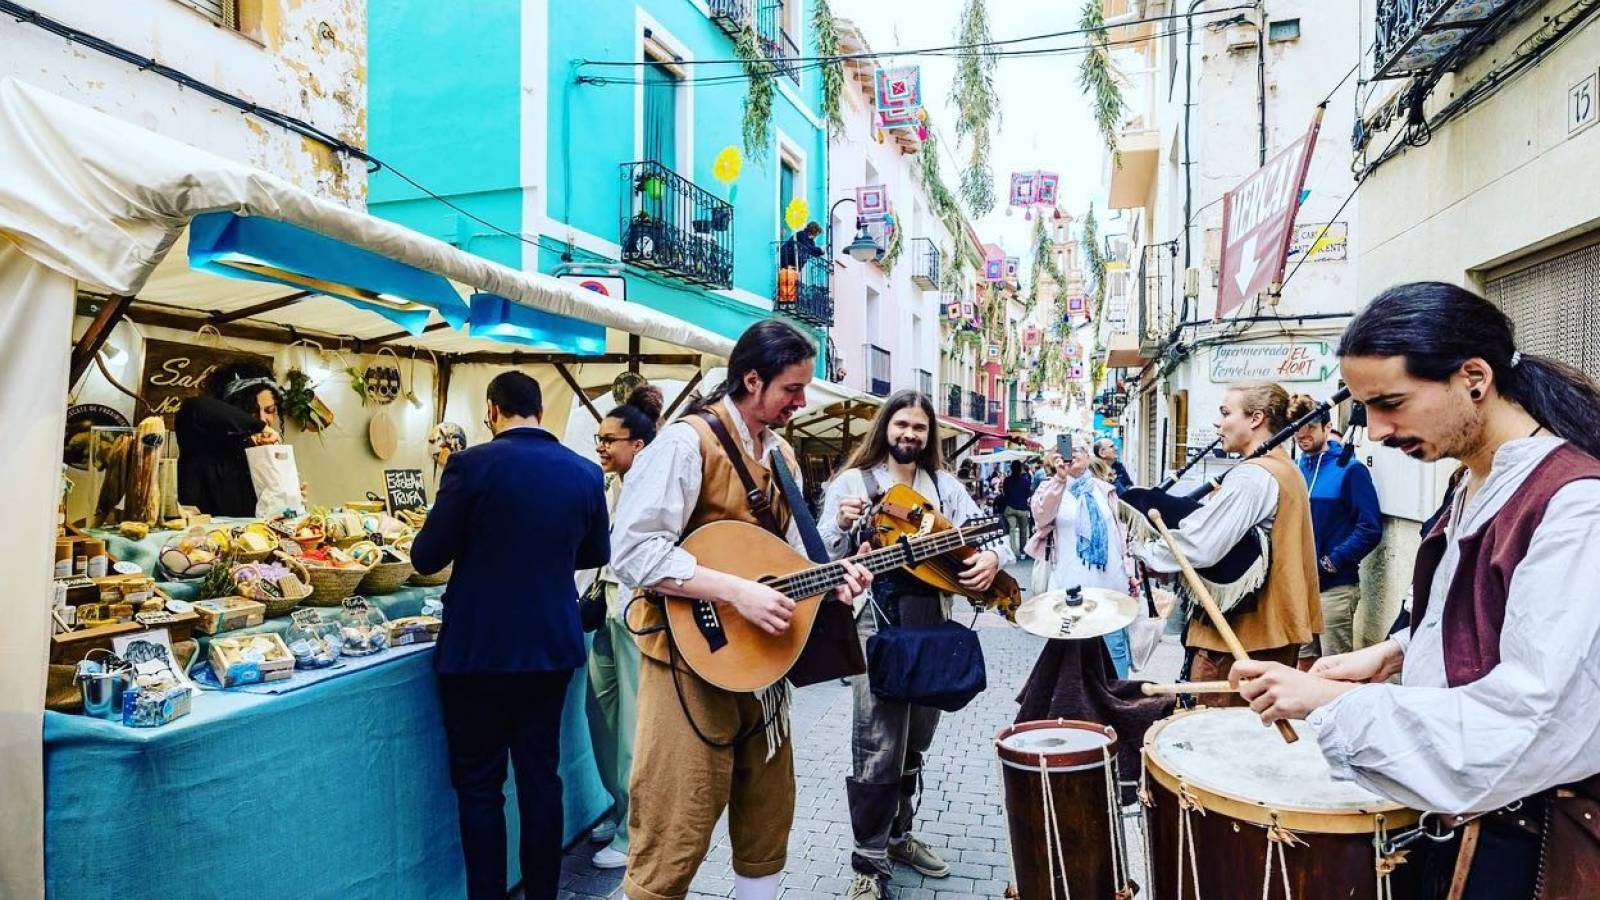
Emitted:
pixel 1309 361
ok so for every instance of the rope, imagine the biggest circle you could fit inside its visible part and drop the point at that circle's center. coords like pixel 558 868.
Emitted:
pixel 1119 858
pixel 1186 805
pixel 1054 852
pixel 1383 865
pixel 1278 837
pixel 1146 802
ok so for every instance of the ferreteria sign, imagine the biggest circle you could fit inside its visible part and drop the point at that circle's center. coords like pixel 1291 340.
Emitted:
pixel 1300 361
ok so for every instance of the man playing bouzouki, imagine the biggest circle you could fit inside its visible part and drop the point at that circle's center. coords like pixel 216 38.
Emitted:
pixel 701 748
pixel 889 738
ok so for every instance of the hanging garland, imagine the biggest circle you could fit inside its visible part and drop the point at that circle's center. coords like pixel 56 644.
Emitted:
pixel 832 72
pixel 1098 79
pixel 891 253
pixel 759 72
pixel 1044 264
pixel 1096 260
pixel 976 102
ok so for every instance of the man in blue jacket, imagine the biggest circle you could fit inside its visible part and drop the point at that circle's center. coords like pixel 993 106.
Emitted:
pixel 1345 520
pixel 516 516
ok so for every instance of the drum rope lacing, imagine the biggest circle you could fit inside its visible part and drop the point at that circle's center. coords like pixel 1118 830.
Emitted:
pixel 1278 838
pixel 1119 848
pixel 1383 864
pixel 1054 852
pixel 1187 804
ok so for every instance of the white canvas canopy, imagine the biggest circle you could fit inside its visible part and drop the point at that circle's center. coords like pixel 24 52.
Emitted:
pixel 89 202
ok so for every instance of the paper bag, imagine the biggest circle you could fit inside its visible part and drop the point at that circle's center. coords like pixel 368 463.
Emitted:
pixel 276 479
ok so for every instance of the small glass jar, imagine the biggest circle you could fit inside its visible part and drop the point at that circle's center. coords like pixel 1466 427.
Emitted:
pixel 364 629
pixel 315 645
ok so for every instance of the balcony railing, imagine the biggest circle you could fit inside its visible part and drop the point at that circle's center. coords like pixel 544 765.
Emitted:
pixel 977 407
pixel 1157 275
pixel 954 401
pixel 878 371
pixel 777 45
pixel 925 263
pixel 925 382
pixel 994 413
pixel 801 289
pixel 1418 36
pixel 675 227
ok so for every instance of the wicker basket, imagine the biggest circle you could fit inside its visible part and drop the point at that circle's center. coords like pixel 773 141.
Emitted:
pixel 245 556
pixel 279 606
pixel 386 577
pixel 330 585
pixel 434 580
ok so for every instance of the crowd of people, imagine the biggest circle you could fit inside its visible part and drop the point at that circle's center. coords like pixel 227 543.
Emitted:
pixel 1476 698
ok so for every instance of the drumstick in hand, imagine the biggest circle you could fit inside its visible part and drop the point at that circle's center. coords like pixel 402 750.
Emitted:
pixel 1152 689
pixel 1198 588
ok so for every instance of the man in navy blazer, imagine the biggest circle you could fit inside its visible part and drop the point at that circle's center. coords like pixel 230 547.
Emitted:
pixel 517 516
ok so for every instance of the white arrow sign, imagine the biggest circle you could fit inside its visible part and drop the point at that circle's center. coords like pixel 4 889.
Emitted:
pixel 1247 265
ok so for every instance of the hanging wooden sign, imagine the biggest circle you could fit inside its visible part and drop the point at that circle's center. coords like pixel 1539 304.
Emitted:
pixel 174 372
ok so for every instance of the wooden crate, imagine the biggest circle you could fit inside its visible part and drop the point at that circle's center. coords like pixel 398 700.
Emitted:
pixel 66 649
pixel 229 614
pixel 231 671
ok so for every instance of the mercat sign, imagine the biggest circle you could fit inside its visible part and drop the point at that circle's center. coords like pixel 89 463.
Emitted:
pixel 1279 361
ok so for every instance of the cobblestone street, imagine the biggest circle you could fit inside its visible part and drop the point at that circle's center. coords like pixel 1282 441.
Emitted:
pixel 960 814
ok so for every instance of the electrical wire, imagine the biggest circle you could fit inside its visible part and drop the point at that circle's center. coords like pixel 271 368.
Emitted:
pixel 926 51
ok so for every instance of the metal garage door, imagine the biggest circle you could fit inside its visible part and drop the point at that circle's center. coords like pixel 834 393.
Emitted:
pixel 1551 301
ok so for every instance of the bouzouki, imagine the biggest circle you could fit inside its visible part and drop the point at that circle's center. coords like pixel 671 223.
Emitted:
pixel 902 513
pixel 726 649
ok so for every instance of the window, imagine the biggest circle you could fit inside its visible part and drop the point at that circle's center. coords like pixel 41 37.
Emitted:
pixel 1283 30
pixel 871 307
pixel 223 12
pixel 661 114
pixel 1178 410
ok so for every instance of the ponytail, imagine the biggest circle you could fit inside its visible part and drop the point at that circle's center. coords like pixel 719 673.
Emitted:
pixel 1558 396
pixel 766 348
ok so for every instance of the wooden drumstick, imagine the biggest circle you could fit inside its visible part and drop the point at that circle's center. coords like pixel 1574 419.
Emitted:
pixel 1151 689
pixel 1203 595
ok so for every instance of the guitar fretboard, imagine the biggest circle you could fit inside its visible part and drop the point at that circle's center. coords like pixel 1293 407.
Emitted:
pixel 824 578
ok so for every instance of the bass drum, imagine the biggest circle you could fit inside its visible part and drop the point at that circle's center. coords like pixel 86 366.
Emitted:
pixel 1060 781
pixel 1232 812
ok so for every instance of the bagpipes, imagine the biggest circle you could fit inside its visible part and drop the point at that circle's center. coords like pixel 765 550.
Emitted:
pixel 1241 571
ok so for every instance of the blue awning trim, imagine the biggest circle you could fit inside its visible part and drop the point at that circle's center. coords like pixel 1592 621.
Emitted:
pixel 497 318
pixel 217 238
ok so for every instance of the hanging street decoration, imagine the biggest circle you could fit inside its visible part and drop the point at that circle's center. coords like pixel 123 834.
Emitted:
pixel 872 203
pixel 994 269
pixel 796 215
pixel 899 98
pixel 1013 267
pixel 1033 189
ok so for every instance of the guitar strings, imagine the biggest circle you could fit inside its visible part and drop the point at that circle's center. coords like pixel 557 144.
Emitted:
pixel 821 579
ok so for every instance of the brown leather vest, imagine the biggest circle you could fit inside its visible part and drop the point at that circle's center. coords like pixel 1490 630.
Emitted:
pixel 722 498
pixel 1475 611
pixel 1289 609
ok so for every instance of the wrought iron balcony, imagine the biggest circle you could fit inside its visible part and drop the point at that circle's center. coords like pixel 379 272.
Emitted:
pixel 675 227
pixel 878 371
pixel 925 382
pixel 777 45
pixel 977 407
pixel 925 263
pixel 801 290
pixel 994 413
pixel 954 401
pixel 1419 36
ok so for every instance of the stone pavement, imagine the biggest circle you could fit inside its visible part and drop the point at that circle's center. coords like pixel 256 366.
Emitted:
pixel 960 814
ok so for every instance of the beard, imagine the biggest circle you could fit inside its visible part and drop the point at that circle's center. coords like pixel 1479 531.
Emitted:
pixel 904 453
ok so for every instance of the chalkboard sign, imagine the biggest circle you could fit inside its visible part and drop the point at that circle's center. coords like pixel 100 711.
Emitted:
pixel 405 489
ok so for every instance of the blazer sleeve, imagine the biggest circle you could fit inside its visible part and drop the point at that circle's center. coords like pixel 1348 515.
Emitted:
pixel 437 543
pixel 595 551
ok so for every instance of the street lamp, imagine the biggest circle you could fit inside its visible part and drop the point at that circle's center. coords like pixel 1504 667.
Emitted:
pixel 863 248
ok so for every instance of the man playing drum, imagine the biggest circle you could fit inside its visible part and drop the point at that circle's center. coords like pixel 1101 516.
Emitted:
pixel 1499 680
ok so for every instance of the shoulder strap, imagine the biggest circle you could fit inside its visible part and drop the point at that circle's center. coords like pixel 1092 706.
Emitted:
pixel 870 482
pixel 799 511
pixel 760 505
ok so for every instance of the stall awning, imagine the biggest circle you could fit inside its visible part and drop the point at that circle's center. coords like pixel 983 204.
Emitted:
pixel 111 205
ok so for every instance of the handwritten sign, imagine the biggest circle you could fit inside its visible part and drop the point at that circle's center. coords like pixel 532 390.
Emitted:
pixel 405 489
pixel 174 372
pixel 1280 361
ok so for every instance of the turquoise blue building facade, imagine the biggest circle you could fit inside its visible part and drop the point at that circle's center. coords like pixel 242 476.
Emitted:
pixel 584 132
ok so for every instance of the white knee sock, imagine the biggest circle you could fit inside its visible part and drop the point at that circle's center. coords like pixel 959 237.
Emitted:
pixel 763 888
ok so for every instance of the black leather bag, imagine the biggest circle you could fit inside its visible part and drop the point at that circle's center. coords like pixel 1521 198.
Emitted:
pixel 592 606
pixel 930 665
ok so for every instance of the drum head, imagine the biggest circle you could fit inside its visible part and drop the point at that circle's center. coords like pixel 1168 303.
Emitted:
pixel 1229 753
pixel 1058 744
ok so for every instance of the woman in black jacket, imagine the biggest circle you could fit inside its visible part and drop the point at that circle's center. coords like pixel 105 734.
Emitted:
pixel 238 410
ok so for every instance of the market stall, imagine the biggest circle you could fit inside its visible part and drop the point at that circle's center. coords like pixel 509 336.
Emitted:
pixel 111 236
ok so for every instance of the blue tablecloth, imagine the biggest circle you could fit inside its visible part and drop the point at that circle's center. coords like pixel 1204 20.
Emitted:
pixel 338 790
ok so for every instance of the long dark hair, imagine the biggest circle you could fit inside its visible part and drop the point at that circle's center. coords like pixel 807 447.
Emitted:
pixel 875 449
pixel 1437 327
pixel 640 413
pixel 237 385
pixel 766 348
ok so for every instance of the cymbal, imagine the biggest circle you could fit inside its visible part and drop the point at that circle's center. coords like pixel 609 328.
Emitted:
pixel 1077 613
